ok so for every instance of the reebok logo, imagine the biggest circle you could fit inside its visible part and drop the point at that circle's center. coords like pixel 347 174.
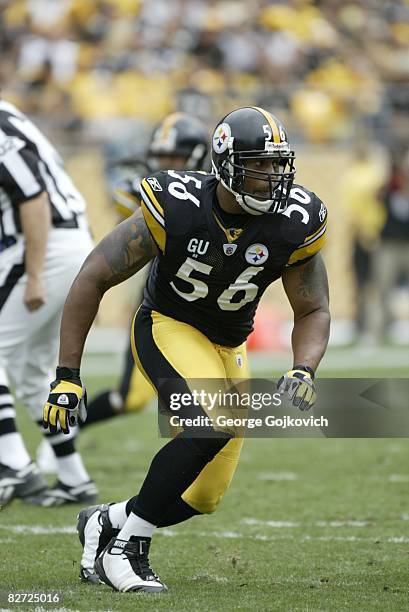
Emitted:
pixel 154 183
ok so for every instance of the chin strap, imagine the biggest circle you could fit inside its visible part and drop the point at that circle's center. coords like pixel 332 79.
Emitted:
pixel 245 202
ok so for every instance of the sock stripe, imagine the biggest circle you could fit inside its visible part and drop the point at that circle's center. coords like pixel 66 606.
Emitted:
pixel 63 449
pixel 7 413
pixel 57 438
pixel 7 426
pixel 6 400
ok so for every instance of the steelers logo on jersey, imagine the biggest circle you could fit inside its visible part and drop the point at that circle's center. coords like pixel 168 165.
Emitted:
pixel 256 254
pixel 221 137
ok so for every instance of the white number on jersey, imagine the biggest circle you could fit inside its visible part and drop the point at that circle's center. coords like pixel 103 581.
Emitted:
pixel 179 190
pixel 201 290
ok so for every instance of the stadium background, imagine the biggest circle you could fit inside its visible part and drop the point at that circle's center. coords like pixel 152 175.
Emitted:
pixel 308 524
pixel 97 75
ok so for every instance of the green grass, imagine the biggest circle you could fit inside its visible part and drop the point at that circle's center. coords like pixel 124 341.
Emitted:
pixel 345 546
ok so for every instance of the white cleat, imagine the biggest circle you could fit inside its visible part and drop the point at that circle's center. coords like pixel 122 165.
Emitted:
pixel 95 531
pixel 124 566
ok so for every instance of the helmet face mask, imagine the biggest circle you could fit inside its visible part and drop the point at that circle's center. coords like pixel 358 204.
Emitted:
pixel 271 188
pixel 252 159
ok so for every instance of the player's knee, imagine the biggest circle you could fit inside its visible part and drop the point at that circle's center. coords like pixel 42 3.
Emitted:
pixel 207 499
pixel 205 505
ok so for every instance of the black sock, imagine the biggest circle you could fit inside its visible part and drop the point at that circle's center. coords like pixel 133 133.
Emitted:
pixel 99 409
pixel 172 471
pixel 179 511
pixel 58 441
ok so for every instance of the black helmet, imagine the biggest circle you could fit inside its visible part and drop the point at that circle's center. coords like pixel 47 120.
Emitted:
pixel 248 133
pixel 181 134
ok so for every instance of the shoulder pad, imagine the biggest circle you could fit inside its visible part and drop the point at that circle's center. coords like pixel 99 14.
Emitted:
pixel 310 223
pixel 153 204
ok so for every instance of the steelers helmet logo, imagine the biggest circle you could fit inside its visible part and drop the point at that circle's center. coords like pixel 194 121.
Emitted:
pixel 256 254
pixel 221 137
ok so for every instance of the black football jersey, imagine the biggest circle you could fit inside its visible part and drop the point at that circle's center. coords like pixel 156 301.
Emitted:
pixel 212 276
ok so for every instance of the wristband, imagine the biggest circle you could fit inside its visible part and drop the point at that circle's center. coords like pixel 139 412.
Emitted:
pixel 63 373
pixel 305 368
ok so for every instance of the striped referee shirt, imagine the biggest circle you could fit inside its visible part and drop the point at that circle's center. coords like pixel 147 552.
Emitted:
pixel 29 165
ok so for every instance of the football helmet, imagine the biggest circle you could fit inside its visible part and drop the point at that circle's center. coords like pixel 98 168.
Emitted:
pixel 182 135
pixel 246 134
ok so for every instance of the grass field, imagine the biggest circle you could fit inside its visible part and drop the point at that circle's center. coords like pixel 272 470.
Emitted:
pixel 308 524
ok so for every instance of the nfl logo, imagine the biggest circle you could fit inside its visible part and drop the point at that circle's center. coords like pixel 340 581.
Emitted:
pixel 229 249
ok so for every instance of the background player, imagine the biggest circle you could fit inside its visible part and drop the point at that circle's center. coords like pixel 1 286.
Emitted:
pixel 44 239
pixel 227 237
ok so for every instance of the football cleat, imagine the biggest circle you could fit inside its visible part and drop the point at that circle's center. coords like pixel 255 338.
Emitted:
pixel 61 494
pixel 20 483
pixel 124 566
pixel 95 531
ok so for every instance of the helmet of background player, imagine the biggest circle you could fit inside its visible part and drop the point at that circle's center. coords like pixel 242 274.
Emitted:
pixel 180 135
pixel 243 136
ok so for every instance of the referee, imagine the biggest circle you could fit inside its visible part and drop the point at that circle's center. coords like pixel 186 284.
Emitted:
pixel 44 238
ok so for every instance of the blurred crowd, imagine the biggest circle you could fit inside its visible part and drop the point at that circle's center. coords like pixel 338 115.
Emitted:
pixel 331 67
pixel 336 72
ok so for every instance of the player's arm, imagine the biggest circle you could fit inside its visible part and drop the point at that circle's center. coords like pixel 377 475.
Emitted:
pixel 122 253
pixel 117 257
pixel 306 287
pixel 35 223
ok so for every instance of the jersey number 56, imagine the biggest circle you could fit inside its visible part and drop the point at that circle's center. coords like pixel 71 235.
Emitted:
pixel 201 290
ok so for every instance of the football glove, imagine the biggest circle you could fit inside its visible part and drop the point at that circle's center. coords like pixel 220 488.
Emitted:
pixel 67 401
pixel 298 384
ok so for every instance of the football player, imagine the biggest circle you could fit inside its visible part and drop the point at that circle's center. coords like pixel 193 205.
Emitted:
pixel 217 240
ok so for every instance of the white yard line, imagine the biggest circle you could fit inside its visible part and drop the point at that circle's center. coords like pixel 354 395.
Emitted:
pixel 276 524
pixel 398 478
pixel 278 476
pixel 50 530
pixel 341 523
pixel 37 529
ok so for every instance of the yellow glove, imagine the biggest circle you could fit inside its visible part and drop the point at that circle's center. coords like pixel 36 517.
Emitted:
pixel 67 401
pixel 299 386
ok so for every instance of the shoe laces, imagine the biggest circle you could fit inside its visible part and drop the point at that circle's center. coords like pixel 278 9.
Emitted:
pixel 137 555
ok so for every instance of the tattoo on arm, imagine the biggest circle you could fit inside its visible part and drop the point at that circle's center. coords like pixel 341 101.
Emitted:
pixel 307 286
pixel 126 249
pixel 313 282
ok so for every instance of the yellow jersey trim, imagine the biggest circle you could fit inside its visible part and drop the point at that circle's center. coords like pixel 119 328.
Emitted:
pixel 323 225
pixel 307 251
pixel 148 191
pixel 238 231
pixel 156 229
